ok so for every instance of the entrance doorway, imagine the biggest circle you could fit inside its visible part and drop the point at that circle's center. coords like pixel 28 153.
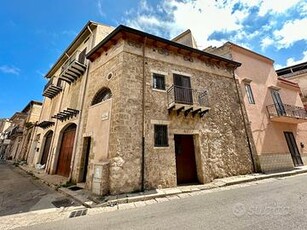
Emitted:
pixel 85 158
pixel 46 148
pixel 295 154
pixel 185 159
pixel 66 150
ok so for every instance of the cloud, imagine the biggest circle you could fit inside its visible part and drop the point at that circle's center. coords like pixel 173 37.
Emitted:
pixel 292 61
pixel 100 9
pixel 276 6
pixel 291 32
pixel 267 41
pixel 9 69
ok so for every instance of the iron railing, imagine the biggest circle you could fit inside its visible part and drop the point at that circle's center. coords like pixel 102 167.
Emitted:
pixel 77 56
pixel 284 110
pixel 188 96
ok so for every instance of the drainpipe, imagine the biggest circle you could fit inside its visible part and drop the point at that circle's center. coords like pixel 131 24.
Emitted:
pixel 78 132
pixel 244 122
pixel 143 119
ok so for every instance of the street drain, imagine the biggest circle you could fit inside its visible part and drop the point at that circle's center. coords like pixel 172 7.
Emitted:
pixel 75 188
pixel 62 203
pixel 78 213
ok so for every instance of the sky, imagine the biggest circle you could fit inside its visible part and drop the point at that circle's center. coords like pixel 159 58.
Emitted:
pixel 34 33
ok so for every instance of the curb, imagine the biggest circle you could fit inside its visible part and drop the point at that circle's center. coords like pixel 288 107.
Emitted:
pixel 160 193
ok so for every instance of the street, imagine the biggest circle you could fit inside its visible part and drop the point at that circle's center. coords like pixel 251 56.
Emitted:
pixel 20 192
pixel 269 204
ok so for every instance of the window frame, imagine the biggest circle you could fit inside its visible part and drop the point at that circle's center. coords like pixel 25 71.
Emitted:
pixel 163 141
pixel 154 74
pixel 249 93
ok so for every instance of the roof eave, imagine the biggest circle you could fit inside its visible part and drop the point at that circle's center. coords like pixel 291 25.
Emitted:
pixel 122 28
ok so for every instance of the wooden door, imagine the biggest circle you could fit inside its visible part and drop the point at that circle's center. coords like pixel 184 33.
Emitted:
pixel 46 148
pixel 182 88
pixel 185 159
pixel 295 154
pixel 66 150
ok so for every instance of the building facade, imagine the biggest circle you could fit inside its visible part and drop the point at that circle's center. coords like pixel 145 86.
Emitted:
pixel 4 141
pixel 58 133
pixel 32 112
pixel 158 113
pixel 274 109
pixel 296 73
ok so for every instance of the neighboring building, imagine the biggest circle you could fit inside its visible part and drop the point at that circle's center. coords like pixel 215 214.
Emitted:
pixel 4 142
pixel 32 111
pixel 274 109
pixel 59 135
pixel 158 113
pixel 296 73
pixel 15 132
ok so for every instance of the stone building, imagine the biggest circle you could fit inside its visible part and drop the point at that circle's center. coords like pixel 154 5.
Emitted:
pixel 296 73
pixel 277 119
pixel 32 111
pixel 4 141
pixel 14 135
pixel 158 113
pixel 142 112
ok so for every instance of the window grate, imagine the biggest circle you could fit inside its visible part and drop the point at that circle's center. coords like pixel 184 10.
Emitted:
pixel 161 137
pixel 158 81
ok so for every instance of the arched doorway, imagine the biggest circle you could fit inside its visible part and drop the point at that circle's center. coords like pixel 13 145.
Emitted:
pixel 65 155
pixel 47 146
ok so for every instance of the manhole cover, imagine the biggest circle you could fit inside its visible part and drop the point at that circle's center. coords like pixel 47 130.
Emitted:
pixel 62 203
pixel 78 213
pixel 75 188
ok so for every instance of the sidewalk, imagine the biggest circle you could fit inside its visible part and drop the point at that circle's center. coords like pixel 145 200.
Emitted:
pixel 125 201
pixel 91 200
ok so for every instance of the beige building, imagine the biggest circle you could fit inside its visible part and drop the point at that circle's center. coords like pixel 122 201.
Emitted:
pixel 4 141
pixel 32 112
pixel 59 134
pixel 15 133
pixel 296 73
pixel 274 109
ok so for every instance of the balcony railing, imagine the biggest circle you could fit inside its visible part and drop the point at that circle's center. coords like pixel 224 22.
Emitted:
pixel 74 67
pixel 51 89
pixel 187 100
pixel 287 113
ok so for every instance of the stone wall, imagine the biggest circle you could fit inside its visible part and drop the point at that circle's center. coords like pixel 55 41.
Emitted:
pixel 219 137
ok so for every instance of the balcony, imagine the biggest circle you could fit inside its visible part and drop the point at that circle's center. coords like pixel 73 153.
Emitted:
pixel 51 89
pixel 287 113
pixel 187 100
pixel 74 67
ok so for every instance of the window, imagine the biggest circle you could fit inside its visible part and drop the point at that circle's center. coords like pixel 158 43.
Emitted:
pixel 249 94
pixel 161 138
pixel 158 81
pixel 102 95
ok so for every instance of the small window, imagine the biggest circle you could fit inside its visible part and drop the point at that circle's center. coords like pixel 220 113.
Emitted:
pixel 102 95
pixel 249 94
pixel 158 81
pixel 161 138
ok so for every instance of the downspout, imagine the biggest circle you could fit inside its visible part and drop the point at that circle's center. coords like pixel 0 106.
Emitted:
pixel 143 118
pixel 81 110
pixel 244 122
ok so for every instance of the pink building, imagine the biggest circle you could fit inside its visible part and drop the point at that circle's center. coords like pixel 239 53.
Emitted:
pixel 275 112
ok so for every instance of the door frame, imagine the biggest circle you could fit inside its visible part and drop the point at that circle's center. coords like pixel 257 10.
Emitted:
pixel 58 148
pixel 44 145
pixel 293 149
pixel 199 175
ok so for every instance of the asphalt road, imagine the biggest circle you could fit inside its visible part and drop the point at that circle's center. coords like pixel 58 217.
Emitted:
pixel 20 192
pixel 271 204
